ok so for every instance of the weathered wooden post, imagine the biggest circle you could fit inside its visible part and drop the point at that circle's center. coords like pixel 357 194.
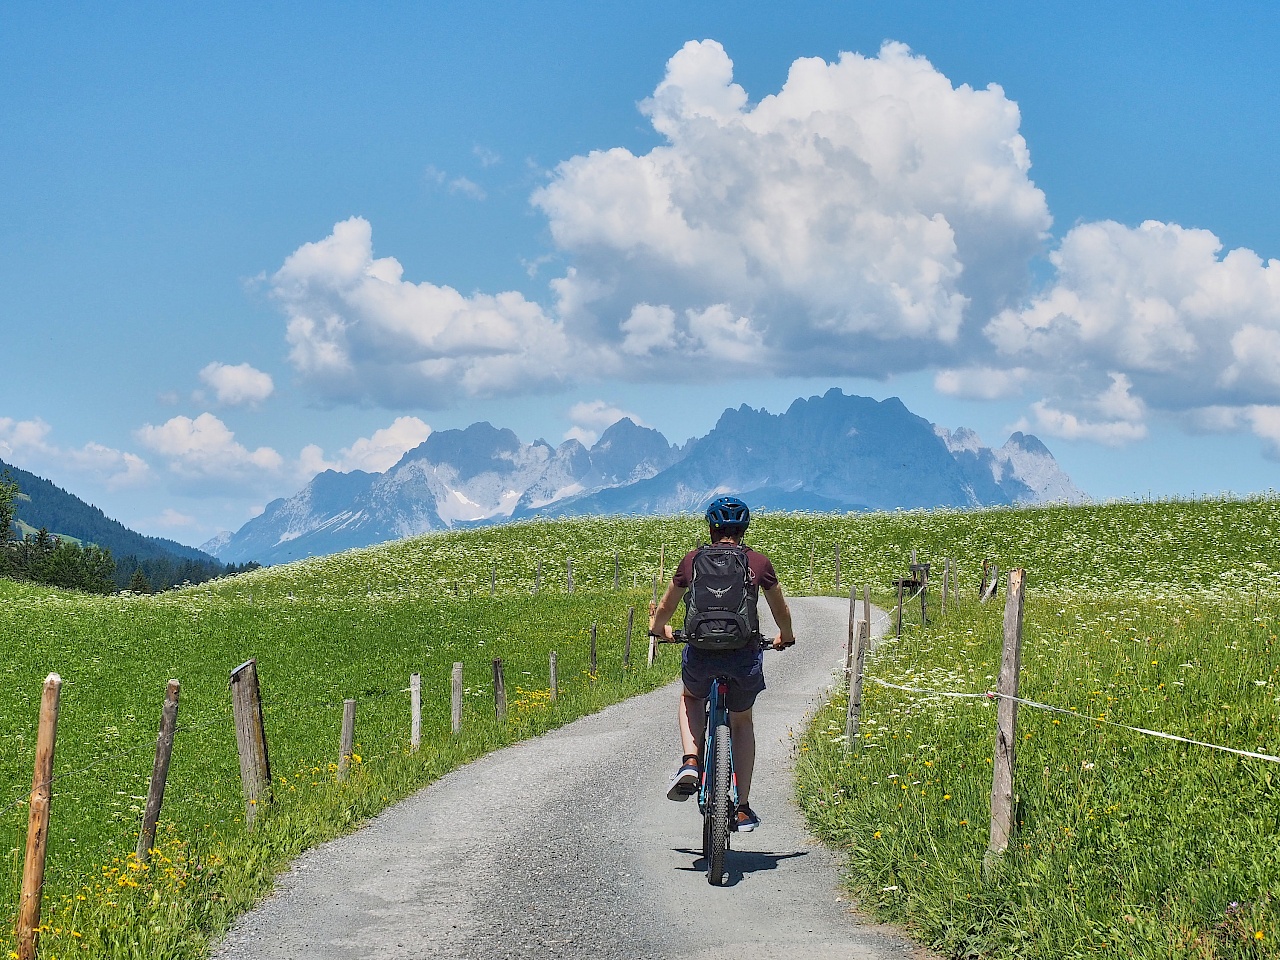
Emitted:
pixel 28 926
pixel 555 680
pixel 347 743
pixel 593 651
pixel 159 771
pixel 456 712
pixel 900 587
pixel 415 712
pixel 626 647
pixel 866 609
pixel 568 576
pixel 850 647
pixel 251 739
pixel 1006 725
pixel 499 690
pixel 946 583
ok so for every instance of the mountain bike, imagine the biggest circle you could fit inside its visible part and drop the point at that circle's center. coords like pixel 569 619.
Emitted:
pixel 718 789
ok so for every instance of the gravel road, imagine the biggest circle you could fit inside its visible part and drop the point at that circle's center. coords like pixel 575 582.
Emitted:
pixel 566 847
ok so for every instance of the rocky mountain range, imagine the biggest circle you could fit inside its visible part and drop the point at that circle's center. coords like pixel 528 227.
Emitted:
pixel 833 452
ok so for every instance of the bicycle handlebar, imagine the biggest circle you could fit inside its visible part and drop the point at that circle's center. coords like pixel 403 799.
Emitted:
pixel 678 636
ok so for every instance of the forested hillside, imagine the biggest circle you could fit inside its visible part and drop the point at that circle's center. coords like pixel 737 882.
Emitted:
pixel 41 505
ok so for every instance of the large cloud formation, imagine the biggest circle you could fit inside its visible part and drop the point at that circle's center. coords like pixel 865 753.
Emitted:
pixel 855 221
pixel 866 209
pixel 868 218
pixel 1166 316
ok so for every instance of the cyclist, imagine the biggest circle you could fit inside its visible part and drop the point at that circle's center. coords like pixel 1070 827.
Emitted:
pixel 727 519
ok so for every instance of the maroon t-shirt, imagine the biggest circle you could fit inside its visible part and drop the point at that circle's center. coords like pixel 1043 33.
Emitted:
pixel 762 573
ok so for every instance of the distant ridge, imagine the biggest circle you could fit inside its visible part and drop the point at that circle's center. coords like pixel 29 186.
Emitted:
pixel 829 453
pixel 42 504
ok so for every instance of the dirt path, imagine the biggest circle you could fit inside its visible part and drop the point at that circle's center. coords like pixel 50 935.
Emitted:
pixel 566 846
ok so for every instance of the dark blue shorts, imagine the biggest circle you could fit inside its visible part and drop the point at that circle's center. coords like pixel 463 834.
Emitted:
pixel 744 668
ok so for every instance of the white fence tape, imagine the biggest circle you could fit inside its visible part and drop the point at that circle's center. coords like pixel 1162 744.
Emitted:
pixel 991 695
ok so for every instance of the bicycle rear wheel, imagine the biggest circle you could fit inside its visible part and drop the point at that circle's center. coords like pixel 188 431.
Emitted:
pixel 719 807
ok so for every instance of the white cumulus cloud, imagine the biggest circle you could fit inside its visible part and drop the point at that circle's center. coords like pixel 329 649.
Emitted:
pixel 1187 326
pixel 358 330
pixel 591 418
pixel 867 202
pixel 205 449
pixel 27 444
pixel 238 384
pixel 373 454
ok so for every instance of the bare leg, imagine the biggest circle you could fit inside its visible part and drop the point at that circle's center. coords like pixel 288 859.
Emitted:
pixel 743 730
pixel 692 716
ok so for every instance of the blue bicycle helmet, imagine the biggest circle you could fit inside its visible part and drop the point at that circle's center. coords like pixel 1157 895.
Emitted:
pixel 728 512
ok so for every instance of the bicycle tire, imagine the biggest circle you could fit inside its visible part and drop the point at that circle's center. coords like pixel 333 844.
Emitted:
pixel 719 807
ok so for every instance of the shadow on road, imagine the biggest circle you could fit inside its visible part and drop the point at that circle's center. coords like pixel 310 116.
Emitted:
pixel 739 863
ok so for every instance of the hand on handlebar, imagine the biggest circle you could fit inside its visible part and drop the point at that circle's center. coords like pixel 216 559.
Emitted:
pixel 781 643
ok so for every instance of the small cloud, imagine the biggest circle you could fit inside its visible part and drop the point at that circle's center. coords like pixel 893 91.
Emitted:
pixel 373 454
pixel 434 175
pixel 172 519
pixel 382 450
pixel 169 398
pixel 27 442
pixel 487 157
pixel 592 418
pixel 468 188
pixel 981 383
pixel 239 384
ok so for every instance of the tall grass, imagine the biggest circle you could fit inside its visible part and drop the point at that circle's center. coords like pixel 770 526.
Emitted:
pixel 357 624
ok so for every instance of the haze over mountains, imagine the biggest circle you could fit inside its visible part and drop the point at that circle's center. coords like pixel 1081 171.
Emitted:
pixel 833 452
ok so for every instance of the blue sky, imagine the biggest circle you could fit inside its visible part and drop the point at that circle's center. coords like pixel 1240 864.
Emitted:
pixel 246 242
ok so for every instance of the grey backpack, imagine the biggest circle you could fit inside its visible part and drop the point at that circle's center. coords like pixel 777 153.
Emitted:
pixel 720 604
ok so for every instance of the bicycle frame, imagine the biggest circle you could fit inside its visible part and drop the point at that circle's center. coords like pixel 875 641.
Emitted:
pixel 717 713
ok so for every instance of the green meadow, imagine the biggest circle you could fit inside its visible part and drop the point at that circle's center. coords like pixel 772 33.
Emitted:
pixel 1158 615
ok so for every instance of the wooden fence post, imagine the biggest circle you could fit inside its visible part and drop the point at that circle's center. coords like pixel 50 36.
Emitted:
pixel 924 594
pixel 900 583
pixel 837 566
pixel 28 928
pixel 866 609
pixel 626 647
pixel 1006 724
pixel 946 583
pixel 251 739
pixel 499 690
pixel 456 712
pixel 415 712
pixel 159 771
pixel 555 680
pixel 347 743
pixel 849 649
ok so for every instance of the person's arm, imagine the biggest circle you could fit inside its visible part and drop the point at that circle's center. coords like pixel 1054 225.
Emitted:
pixel 658 620
pixel 781 615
